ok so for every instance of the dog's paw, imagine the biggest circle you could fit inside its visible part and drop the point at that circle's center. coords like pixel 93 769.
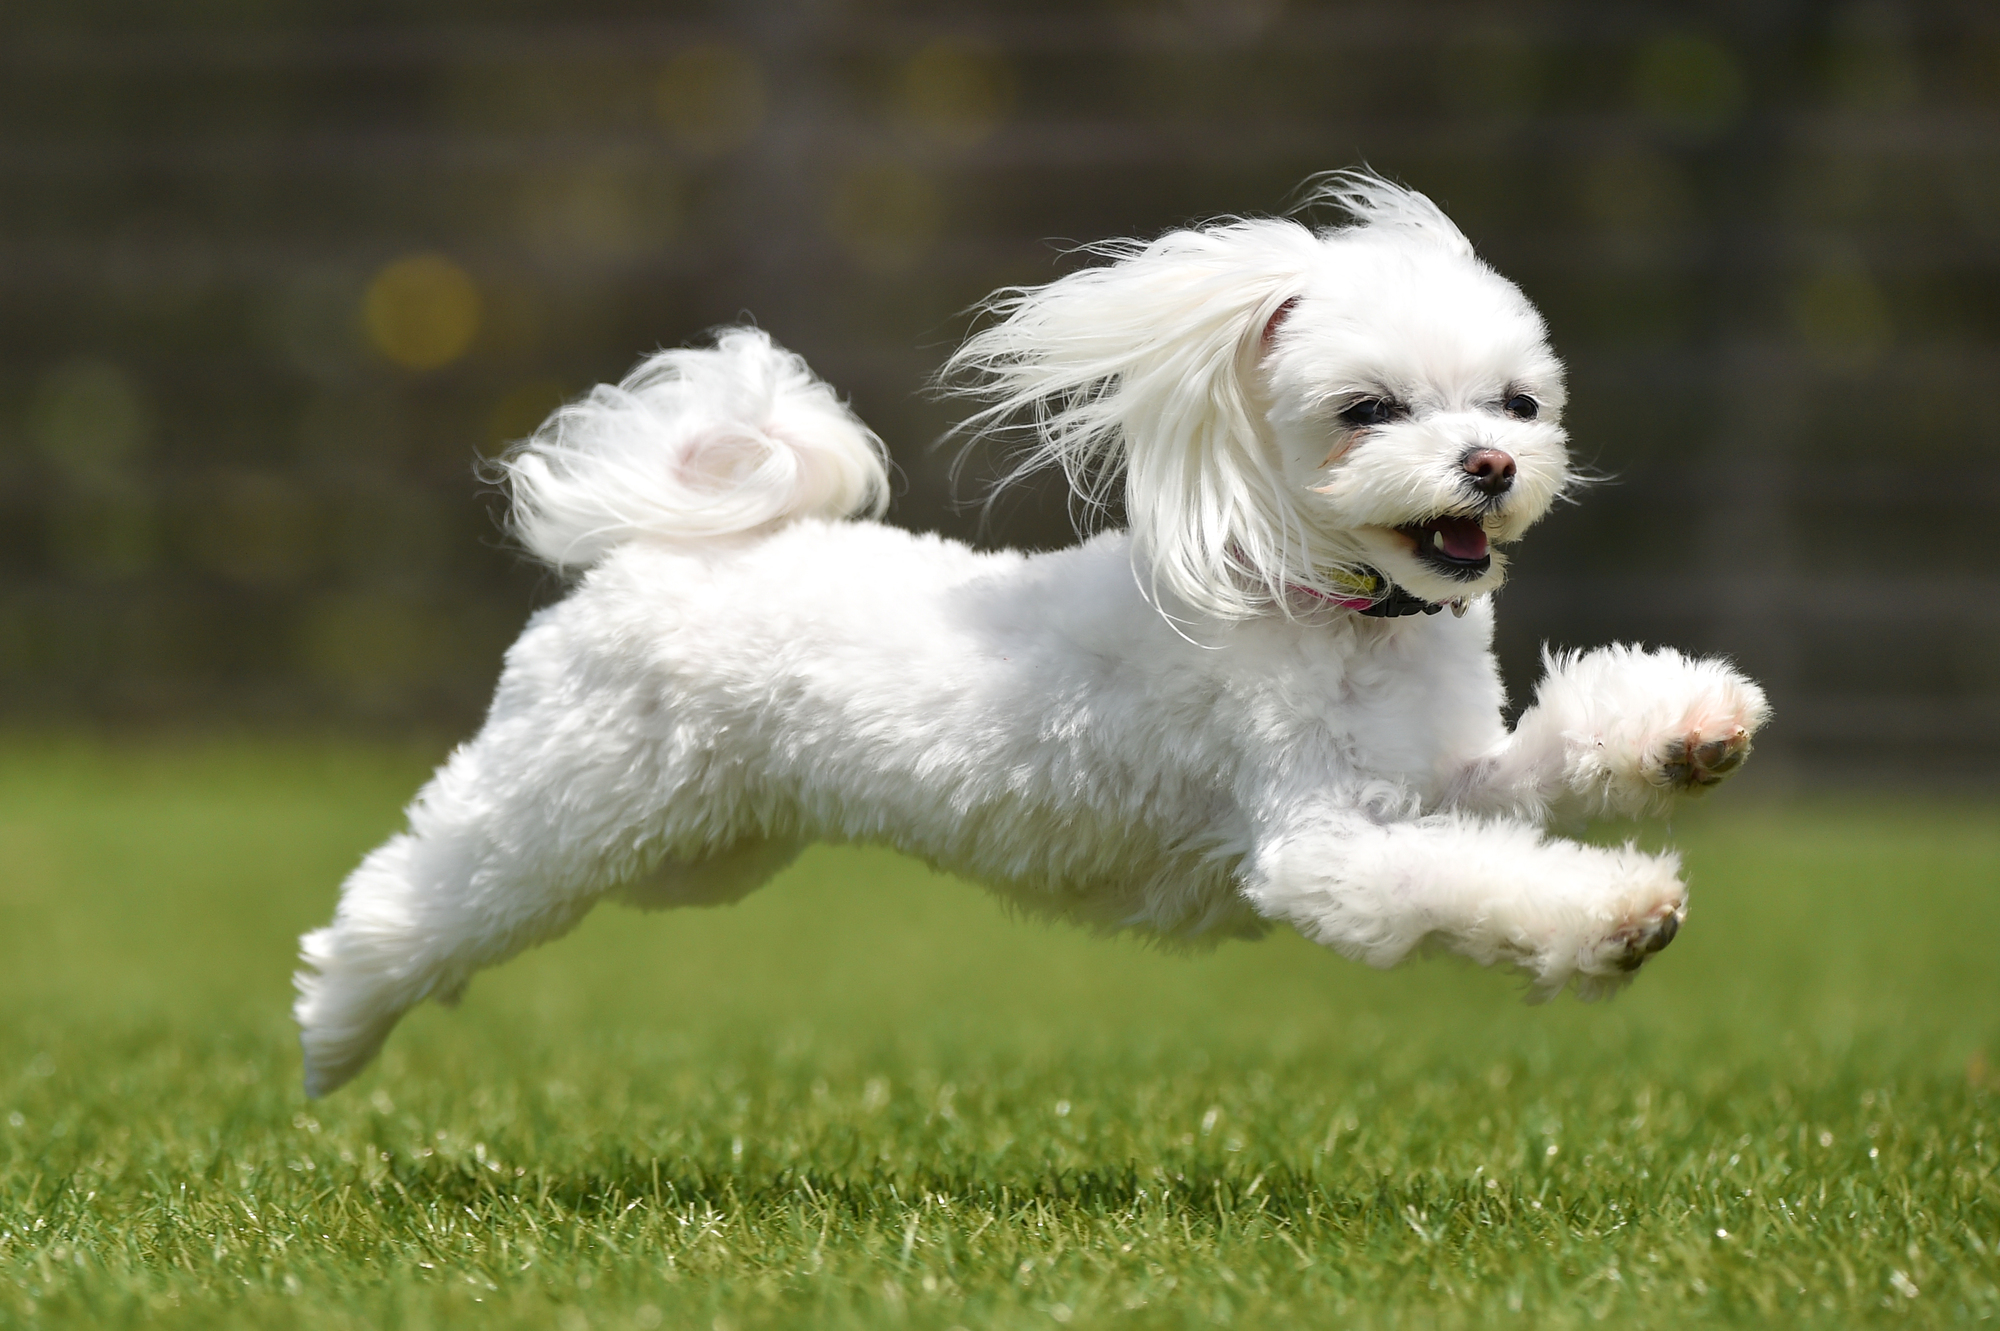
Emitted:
pixel 1628 946
pixel 1626 918
pixel 1702 757
pixel 1642 728
pixel 1608 963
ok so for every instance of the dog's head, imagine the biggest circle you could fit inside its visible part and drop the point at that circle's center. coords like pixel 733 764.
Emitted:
pixel 1292 409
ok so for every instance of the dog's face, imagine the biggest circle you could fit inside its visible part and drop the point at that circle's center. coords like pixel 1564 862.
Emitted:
pixel 1416 405
pixel 1286 407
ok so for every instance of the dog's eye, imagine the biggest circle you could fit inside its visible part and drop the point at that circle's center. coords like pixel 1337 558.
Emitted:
pixel 1522 407
pixel 1370 411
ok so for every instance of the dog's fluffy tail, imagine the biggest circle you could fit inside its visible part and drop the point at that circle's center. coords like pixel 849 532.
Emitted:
pixel 695 443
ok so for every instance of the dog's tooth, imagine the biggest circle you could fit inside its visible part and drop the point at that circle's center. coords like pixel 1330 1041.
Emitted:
pixel 1437 540
pixel 1458 608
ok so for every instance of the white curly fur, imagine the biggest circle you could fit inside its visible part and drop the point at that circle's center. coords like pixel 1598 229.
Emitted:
pixel 693 444
pixel 1197 751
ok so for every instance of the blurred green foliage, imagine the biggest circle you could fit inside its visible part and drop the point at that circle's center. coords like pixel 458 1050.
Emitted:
pixel 277 274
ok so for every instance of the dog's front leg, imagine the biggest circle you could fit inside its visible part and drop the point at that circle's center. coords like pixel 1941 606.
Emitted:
pixel 1494 891
pixel 1618 730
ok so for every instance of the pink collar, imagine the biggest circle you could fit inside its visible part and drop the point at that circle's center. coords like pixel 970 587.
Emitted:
pixel 1338 602
pixel 1392 603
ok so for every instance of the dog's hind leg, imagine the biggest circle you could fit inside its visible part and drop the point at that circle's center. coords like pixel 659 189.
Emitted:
pixel 509 845
pixel 383 954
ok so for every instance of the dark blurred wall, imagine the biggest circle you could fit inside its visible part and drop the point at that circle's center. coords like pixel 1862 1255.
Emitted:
pixel 276 274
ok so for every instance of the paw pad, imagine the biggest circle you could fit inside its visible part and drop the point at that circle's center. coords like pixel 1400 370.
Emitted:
pixel 1697 761
pixel 1646 937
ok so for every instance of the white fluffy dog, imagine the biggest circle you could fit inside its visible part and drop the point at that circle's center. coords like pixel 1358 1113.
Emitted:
pixel 1244 708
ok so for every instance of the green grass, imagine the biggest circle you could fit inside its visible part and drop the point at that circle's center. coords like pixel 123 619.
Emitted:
pixel 866 1097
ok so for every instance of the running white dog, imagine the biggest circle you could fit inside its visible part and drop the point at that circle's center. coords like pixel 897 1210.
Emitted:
pixel 1245 708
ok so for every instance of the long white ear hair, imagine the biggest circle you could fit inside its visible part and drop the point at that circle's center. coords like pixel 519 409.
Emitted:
pixel 1143 369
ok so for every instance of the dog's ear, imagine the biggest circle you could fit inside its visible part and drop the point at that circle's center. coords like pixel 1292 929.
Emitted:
pixel 1277 318
pixel 1143 372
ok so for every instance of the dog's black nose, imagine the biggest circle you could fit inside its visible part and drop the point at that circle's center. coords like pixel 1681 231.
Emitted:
pixel 1492 471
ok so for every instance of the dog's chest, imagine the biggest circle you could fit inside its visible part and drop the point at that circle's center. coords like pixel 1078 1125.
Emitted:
pixel 1405 702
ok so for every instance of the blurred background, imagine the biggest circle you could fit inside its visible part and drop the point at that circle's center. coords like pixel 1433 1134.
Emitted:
pixel 277 273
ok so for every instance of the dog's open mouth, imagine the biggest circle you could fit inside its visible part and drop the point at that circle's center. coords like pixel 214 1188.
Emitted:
pixel 1453 546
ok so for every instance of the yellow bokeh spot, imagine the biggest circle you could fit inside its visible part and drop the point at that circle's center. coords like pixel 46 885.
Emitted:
pixel 957 93
pixel 421 312
pixel 712 99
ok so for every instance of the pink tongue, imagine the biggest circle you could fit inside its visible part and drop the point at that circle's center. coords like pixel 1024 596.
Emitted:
pixel 1463 538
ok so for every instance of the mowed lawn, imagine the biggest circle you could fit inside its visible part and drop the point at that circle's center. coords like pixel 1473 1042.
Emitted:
pixel 867 1097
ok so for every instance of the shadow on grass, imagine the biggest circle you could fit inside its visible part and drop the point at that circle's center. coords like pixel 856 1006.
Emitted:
pixel 1219 1199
